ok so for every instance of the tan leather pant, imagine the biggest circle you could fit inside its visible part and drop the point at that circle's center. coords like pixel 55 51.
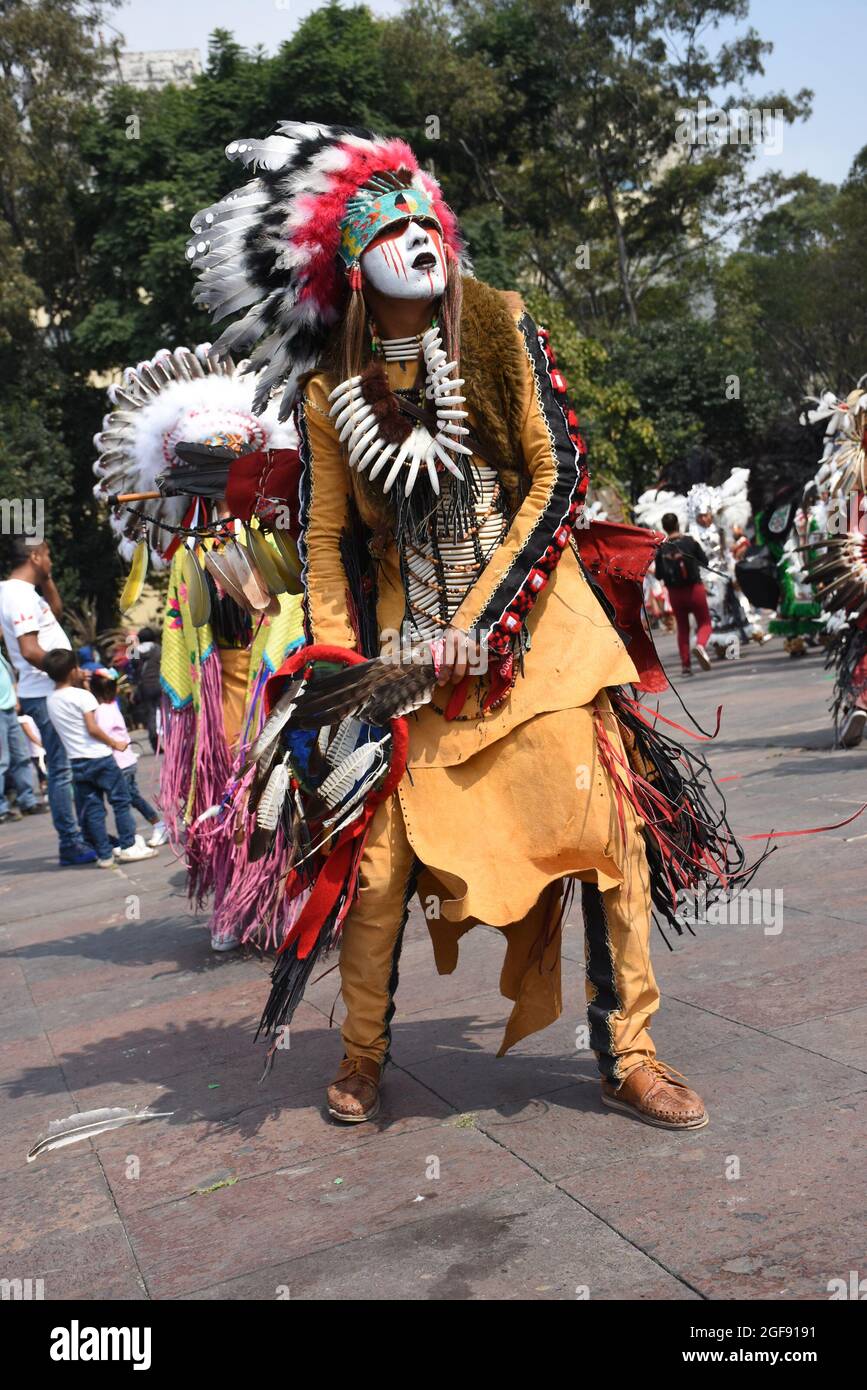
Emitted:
pixel 622 993
pixel 621 990
pixel 235 670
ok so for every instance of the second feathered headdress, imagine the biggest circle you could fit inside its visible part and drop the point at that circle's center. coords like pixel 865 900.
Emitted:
pixel 276 248
pixel 177 397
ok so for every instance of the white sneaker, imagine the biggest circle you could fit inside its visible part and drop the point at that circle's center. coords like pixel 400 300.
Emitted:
pixel 135 852
pixel 106 863
pixel 852 727
pixel 137 841
pixel 160 835
pixel 224 943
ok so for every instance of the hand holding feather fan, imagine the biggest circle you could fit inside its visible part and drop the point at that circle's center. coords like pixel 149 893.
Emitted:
pixel 322 781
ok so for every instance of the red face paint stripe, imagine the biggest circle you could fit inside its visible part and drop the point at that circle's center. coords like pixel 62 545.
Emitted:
pixel 438 250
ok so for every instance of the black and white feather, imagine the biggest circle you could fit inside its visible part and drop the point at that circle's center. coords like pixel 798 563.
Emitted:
pixel 268 252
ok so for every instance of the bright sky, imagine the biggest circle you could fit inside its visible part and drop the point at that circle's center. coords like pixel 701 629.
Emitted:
pixel 816 46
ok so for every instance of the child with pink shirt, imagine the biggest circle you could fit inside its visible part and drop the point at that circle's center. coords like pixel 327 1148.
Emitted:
pixel 111 721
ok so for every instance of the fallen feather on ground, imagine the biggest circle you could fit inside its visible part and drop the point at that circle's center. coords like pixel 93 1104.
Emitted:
pixel 88 1123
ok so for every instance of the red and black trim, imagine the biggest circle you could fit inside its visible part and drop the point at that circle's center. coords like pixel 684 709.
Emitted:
pixel 505 614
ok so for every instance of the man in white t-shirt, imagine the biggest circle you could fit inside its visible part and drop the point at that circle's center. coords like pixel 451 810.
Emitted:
pixel 29 621
pixel 95 774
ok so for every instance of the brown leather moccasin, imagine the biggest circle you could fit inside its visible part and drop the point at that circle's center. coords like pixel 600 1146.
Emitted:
pixel 653 1094
pixel 353 1095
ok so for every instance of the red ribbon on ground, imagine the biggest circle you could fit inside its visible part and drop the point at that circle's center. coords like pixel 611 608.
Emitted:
pixel 817 830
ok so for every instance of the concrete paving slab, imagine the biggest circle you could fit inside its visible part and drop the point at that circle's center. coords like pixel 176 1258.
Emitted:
pixel 530 1243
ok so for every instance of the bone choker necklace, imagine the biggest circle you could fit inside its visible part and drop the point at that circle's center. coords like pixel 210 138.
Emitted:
pixel 401 349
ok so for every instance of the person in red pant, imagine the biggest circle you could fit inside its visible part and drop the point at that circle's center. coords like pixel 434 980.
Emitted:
pixel 678 565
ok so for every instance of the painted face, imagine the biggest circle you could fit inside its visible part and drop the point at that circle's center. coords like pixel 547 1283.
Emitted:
pixel 406 262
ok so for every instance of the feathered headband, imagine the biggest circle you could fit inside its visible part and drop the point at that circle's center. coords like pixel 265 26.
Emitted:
pixel 278 248
pixel 700 499
pixel 178 397
pixel 845 456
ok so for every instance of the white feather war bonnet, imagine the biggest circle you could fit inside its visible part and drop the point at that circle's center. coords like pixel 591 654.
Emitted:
pixel 178 397
pixel 283 250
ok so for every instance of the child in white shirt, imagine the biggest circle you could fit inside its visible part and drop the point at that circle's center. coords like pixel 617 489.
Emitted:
pixel 111 721
pixel 95 774
pixel 34 738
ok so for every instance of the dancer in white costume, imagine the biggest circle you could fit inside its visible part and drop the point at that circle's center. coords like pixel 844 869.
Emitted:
pixel 711 516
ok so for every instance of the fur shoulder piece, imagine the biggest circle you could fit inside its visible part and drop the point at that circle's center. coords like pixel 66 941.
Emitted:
pixel 493 365
pixel 514 303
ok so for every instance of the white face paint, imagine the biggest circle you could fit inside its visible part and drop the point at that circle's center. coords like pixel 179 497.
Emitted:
pixel 406 262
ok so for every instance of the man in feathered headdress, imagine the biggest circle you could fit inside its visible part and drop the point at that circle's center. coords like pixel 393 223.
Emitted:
pixel 180 430
pixel 443 477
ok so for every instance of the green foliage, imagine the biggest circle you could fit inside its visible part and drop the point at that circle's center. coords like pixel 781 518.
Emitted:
pixel 625 447
pixel 795 292
pixel 575 138
pixel 336 69
pixel 700 390
pixel 51 73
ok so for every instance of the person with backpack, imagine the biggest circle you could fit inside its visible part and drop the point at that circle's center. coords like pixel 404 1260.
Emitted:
pixel 678 565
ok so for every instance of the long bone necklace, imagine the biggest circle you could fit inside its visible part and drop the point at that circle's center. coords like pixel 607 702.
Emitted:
pixel 379 438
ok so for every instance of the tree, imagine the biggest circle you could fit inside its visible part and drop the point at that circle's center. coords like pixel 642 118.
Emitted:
pixel 705 395
pixel 624 446
pixel 796 288
pixel 51 69
pixel 580 148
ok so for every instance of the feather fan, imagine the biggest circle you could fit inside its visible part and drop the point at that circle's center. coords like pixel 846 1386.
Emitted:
pixel 373 691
